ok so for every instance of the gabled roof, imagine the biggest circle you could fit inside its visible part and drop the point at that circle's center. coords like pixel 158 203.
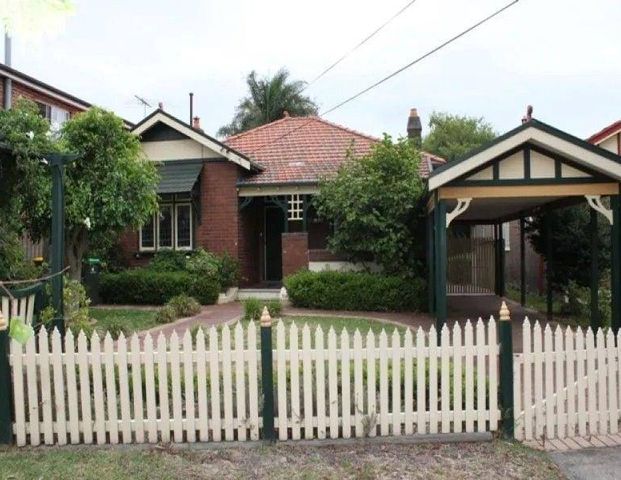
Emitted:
pixel 605 133
pixel 305 150
pixel 538 133
pixel 160 116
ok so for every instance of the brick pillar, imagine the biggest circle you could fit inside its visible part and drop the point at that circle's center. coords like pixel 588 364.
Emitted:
pixel 294 252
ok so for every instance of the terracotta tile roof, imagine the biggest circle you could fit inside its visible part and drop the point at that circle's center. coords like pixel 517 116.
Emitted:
pixel 605 132
pixel 304 149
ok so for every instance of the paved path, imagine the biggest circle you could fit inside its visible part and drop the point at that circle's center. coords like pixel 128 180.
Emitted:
pixel 590 464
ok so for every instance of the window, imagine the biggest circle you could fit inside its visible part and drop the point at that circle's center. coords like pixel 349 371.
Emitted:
pixel 183 232
pixel 170 228
pixel 296 207
pixel 57 116
pixel 165 227
pixel 147 235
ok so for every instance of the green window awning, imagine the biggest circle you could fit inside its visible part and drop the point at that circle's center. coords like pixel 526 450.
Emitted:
pixel 178 176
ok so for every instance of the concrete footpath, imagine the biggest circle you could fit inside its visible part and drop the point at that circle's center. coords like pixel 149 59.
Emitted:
pixel 590 464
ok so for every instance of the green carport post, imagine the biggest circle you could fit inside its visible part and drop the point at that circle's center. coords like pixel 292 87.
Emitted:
pixel 430 262
pixel 522 262
pixel 594 271
pixel 547 228
pixel 615 270
pixel 440 264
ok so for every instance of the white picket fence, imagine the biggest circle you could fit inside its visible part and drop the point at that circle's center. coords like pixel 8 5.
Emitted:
pixel 566 383
pixel 207 388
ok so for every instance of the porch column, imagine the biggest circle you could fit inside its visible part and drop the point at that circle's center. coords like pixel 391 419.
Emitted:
pixel 440 267
pixel 615 270
pixel 522 263
pixel 548 241
pixel 430 262
pixel 595 323
pixel 501 261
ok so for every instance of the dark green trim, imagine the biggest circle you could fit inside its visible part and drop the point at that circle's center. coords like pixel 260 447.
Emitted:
pixel 440 268
pixel 595 323
pixel 615 270
pixel 567 161
pixel 244 202
pixel 549 264
pixel 160 132
pixel 512 182
pixel 496 170
pixel 539 126
pixel 6 387
pixel 557 169
pixel 490 163
pixel 430 263
pixel 527 162
pixel 267 383
pixel 506 376
pixel 522 262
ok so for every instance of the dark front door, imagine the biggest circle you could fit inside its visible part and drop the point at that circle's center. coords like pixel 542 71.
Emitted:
pixel 274 227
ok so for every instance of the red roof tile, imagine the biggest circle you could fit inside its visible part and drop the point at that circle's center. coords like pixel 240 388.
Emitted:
pixel 305 149
pixel 605 132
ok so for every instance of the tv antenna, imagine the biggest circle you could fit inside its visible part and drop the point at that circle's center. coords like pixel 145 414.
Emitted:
pixel 144 103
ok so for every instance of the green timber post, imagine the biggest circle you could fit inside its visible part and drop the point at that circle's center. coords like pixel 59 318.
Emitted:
pixel 506 370
pixel 57 163
pixel 549 264
pixel 6 385
pixel 440 264
pixel 430 262
pixel 594 271
pixel 267 376
pixel 615 240
pixel 501 262
pixel 522 262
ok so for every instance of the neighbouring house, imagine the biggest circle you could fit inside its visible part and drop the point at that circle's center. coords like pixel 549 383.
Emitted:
pixel 250 195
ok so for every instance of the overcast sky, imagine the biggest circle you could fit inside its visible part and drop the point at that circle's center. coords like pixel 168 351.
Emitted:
pixel 561 56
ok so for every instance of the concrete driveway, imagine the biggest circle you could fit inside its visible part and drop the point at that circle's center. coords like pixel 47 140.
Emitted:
pixel 590 464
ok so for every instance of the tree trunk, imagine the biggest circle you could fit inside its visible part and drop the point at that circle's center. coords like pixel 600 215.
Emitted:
pixel 76 246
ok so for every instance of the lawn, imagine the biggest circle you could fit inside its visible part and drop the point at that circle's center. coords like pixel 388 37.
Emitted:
pixel 360 460
pixel 133 320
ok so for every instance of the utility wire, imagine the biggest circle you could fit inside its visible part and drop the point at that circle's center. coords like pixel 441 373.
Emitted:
pixel 395 73
pixel 422 57
pixel 360 44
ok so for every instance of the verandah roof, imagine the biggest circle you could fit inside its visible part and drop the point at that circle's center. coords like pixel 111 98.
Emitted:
pixel 178 176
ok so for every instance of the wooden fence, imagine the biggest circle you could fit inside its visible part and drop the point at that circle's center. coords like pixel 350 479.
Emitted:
pixel 566 383
pixel 470 266
pixel 206 387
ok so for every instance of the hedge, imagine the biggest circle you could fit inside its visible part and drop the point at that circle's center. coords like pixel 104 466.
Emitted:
pixel 149 287
pixel 333 290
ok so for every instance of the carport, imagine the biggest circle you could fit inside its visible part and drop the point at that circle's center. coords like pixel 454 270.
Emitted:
pixel 531 170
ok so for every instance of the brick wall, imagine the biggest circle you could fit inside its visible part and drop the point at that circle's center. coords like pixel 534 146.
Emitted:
pixel 294 252
pixel 128 243
pixel 20 90
pixel 219 228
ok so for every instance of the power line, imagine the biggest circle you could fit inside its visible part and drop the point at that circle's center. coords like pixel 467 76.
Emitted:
pixel 422 57
pixel 395 73
pixel 360 44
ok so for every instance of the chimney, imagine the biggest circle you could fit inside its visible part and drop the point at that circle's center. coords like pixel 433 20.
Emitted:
pixel 196 123
pixel 415 128
pixel 285 114
pixel 529 114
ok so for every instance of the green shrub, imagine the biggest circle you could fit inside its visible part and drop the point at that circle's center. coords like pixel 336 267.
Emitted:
pixel 578 304
pixel 225 267
pixel 355 291
pixel 115 328
pixel 168 261
pixel 253 307
pixel 76 307
pixel 150 287
pixel 229 271
pixel 184 305
pixel 166 314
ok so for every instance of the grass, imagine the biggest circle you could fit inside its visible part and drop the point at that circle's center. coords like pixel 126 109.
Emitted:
pixel 133 320
pixel 489 460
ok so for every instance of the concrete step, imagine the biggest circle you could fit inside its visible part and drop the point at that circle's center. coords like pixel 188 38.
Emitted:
pixel 261 293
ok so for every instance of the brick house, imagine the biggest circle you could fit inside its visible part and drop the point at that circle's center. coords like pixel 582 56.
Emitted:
pixel 249 195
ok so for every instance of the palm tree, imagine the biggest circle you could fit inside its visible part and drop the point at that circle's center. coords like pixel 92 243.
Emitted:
pixel 267 101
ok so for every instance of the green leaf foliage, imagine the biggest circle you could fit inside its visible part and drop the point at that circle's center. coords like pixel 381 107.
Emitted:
pixel 375 204
pixel 267 100
pixel 453 136
pixel 333 290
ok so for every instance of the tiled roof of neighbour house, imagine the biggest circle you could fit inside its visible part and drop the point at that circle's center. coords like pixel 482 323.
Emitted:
pixel 304 150
pixel 605 132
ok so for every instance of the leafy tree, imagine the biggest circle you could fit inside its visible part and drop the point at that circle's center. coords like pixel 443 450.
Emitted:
pixel 453 136
pixel 571 241
pixel 111 186
pixel 267 100
pixel 374 202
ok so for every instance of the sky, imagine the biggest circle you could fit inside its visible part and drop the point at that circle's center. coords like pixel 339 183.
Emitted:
pixel 561 56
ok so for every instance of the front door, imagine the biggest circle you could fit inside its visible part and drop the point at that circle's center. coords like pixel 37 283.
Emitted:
pixel 274 227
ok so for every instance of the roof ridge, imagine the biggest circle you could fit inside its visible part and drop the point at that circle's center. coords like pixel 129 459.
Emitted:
pixel 346 129
pixel 255 129
pixel 606 131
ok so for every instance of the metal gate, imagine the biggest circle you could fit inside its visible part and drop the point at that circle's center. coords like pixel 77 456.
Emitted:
pixel 470 266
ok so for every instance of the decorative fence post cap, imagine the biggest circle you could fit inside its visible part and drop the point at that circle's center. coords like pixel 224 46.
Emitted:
pixel 504 312
pixel 266 320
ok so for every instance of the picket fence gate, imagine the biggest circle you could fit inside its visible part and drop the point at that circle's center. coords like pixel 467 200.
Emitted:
pixel 567 383
pixel 208 387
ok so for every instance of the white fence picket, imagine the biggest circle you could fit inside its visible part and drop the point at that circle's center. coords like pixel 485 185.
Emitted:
pixel 481 374
pixel 345 385
pixel 46 387
pixel 492 358
pixel 72 388
pixel 396 383
pixel 112 424
pixel 611 374
pixel 320 382
pixel 201 381
pixel 175 387
pixel 591 382
pixel 408 379
pixel 358 384
pixel 570 356
pixel 149 379
pixel 538 362
pixel 333 384
pixel 124 388
pixel 383 382
pixel 253 385
pixel 162 387
pixel 85 388
pixel 602 399
pixel 240 384
pixel 469 363
pixel 307 374
pixel 433 380
pixel 281 368
pixel 32 384
pixel 137 400
pixel 188 380
pixel 296 414
pixel 581 382
pixel 59 388
pixel 445 351
pixel 371 417
pixel 214 381
pixel 18 393
pixel 559 385
pixel 458 415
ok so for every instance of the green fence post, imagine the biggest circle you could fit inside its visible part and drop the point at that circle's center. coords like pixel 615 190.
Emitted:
pixel 6 385
pixel 506 371
pixel 267 378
